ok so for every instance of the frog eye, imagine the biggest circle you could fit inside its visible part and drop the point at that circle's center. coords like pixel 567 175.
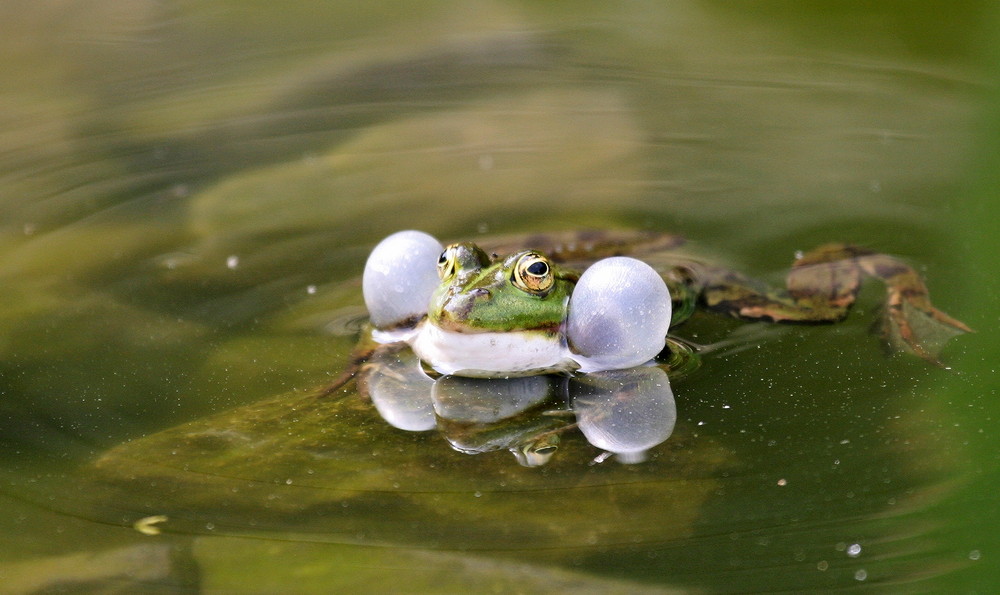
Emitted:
pixel 446 262
pixel 533 274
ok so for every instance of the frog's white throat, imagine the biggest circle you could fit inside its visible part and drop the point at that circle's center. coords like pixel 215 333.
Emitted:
pixel 490 354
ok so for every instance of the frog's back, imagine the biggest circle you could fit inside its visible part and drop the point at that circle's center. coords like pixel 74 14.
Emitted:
pixel 582 247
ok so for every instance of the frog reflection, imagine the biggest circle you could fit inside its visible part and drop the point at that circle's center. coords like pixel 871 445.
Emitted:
pixel 622 412
pixel 625 412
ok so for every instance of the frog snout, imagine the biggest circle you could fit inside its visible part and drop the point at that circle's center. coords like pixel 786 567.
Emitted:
pixel 458 306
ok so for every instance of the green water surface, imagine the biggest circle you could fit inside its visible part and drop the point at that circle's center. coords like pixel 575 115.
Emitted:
pixel 188 192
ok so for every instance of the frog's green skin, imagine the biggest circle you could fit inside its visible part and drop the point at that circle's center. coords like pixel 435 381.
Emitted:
pixel 477 292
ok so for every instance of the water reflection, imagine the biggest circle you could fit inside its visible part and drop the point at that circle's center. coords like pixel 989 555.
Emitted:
pixel 626 412
pixel 622 412
pixel 399 389
pixel 522 415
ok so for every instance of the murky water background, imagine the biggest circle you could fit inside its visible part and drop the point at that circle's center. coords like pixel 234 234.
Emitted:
pixel 188 193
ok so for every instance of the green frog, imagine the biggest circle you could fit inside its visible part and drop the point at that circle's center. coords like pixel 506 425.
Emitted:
pixel 603 300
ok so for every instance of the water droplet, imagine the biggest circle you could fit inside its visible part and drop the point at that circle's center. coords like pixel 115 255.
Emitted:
pixel 232 262
pixel 861 575
pixel 974 555
pixel 311 290
pixel 854 550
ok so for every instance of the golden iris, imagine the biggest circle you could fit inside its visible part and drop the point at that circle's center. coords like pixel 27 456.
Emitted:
pixel 533 274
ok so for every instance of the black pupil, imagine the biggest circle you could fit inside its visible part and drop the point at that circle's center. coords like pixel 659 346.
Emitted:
pixel 443 258
pixel 538 268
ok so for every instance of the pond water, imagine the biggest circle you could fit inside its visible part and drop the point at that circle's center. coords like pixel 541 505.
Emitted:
pixel 189 192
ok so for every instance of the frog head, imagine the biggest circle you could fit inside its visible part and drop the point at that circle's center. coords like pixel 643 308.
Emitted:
pixel 524 291
pixel 496 316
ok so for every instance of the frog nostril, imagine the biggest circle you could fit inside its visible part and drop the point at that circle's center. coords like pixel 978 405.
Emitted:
pixel 479 294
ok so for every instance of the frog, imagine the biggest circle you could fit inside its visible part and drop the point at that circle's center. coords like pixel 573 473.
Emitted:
pixel 307 460
pixel 578 302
